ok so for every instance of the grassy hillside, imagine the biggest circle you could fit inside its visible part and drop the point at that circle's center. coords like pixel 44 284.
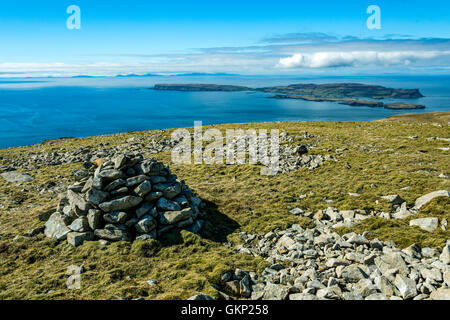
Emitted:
pixel 374 159
pixel 437 117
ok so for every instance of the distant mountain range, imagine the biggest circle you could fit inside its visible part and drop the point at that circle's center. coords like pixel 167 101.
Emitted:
pixel 194 74
pixel 130 75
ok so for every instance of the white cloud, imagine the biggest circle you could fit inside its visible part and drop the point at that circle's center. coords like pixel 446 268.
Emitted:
pixel 231 63
pixel 357 58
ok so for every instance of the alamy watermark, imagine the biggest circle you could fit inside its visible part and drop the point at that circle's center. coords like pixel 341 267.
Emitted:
pixel 74 280
pixel 239 146
pixel 374 21
pixel 74 20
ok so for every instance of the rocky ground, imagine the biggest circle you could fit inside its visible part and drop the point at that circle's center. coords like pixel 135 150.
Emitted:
pixel 293 155
pixel 358 211
pixel 318 263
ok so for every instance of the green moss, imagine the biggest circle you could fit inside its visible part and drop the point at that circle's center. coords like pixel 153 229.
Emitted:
pixel 147 248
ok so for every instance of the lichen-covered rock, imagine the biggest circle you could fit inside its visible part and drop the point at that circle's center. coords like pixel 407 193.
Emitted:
pixel 145 224
pixel 441 294
pixel 77 238
pixel 56 228
pixel 275 292
pixel 118 217
pixel 76 200
pixel 423 200
pixel 122 203
pixel 167 205
pixel 95 196
pixel 112 234
pixel 16 177
pixel 427 224
pixel 406 286
pixel 172 217
pixel 94 219
pixel 445 255
pixel 80 224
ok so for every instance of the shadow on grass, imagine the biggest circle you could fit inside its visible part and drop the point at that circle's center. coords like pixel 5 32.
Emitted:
pixel 217 227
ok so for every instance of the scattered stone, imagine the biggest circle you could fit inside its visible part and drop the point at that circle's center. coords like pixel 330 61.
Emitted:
pixel 427 224
pixel 35 231
pixel 445 255
pixel 403 212
pixel 377 296
pixel 303 296
pixel 143 189
pixel 446 278
pixel 358 239
pixel 16 177
pixel 441 294
pixel 153 283
pixel 319 264
pixel 296 211
pixel 319 215
pixel 406 286
pixel 444 224
pixel 423 200
pixel 395 199
pixel 275 292
pixel 116 217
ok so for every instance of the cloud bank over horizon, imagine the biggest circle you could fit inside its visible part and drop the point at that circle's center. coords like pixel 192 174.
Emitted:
pixel 292 53
pixel 334 59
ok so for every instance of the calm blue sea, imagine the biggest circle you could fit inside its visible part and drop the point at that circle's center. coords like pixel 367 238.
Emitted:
pixel 32 110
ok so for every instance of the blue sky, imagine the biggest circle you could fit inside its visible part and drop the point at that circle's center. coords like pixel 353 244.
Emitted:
pixel 251 37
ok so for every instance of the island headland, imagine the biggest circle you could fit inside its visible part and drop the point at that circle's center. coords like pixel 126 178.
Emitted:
pixel 342 93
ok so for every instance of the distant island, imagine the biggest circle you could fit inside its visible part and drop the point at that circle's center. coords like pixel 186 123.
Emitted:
pixel 343 93
pixel 200 87
pixel 354 102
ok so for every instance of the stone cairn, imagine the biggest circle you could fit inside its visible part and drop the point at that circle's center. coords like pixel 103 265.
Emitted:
pixel 124 198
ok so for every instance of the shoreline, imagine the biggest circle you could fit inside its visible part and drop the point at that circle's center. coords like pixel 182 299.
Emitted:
pixel 425 116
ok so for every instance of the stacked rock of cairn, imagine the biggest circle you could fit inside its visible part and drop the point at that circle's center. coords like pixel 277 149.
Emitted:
pixel 124 198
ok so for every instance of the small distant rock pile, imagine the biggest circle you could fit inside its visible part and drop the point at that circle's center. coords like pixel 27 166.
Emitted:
pixel 145 145
pixel 124 198
pixel 294 156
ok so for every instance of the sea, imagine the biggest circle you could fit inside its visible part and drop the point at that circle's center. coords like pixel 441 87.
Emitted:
pixel 36 109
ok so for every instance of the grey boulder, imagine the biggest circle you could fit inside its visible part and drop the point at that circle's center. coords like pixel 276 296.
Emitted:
pixel 122 203
pixel 55 227
pixel 16 177
pixel 77 238
pixel 427 224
